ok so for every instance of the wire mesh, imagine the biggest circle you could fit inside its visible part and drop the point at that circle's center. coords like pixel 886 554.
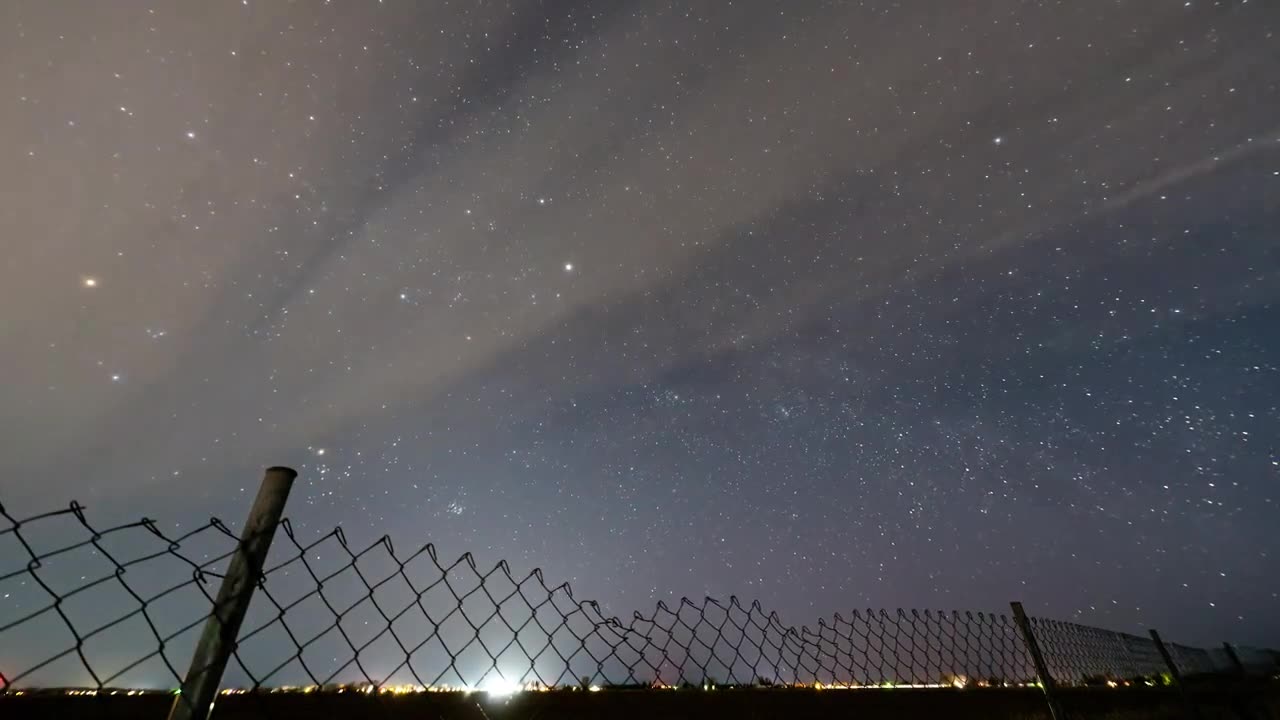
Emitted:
pixel 103 596
pixel 1257 661
pixel 1193 660
pixel 1081 654
pixel 123 607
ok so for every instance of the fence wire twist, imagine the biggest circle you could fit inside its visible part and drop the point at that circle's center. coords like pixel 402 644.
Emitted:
pixel 326 614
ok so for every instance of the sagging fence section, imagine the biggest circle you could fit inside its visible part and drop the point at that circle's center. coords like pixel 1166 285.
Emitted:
pixel 125 606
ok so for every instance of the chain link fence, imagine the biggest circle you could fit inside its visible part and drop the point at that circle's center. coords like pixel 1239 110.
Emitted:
pixel 124 606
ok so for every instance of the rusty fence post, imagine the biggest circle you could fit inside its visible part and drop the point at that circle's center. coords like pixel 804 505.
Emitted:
pixel 1042 669
pixel 218 639
pixel 1192 711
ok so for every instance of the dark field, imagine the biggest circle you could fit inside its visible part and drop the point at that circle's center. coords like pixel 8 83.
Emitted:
pixel 1253 701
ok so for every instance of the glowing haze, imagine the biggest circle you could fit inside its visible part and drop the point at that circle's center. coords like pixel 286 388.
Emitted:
pixel 830 304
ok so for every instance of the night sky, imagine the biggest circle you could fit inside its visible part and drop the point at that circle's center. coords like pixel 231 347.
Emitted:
pixel 830 304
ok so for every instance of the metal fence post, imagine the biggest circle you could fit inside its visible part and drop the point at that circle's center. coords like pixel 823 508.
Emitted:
pixel 1192 711
pixel 1042 669
pixel 218 640
pixel 1234 658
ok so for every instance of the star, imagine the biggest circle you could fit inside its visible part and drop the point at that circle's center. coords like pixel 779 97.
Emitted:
pixel 568 267
pixel 90 282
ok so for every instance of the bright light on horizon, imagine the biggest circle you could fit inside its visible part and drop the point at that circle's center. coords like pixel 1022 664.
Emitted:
pixel 500 688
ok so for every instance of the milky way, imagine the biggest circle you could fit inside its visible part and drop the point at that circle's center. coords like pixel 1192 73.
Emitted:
pixel 834 305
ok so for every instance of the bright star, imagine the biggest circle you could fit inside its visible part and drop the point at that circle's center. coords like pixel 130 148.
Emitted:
pixel 568 267
pixel 90 282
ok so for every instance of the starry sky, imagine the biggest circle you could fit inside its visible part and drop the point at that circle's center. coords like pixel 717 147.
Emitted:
pixel 830 304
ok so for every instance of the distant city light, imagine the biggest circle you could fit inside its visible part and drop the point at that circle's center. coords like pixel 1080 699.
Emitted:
pixel 501 688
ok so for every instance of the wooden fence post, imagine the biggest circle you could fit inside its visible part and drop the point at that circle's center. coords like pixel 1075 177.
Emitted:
pixel 1042 669
pixel 218 640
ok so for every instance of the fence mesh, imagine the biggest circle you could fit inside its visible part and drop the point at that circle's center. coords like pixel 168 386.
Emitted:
pixel 1080 653
pixel 123 607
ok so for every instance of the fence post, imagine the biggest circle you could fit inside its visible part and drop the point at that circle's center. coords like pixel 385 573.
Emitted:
pixel 1042 670
pixel 1192 711
pixel 1234 658
pixel 218 640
